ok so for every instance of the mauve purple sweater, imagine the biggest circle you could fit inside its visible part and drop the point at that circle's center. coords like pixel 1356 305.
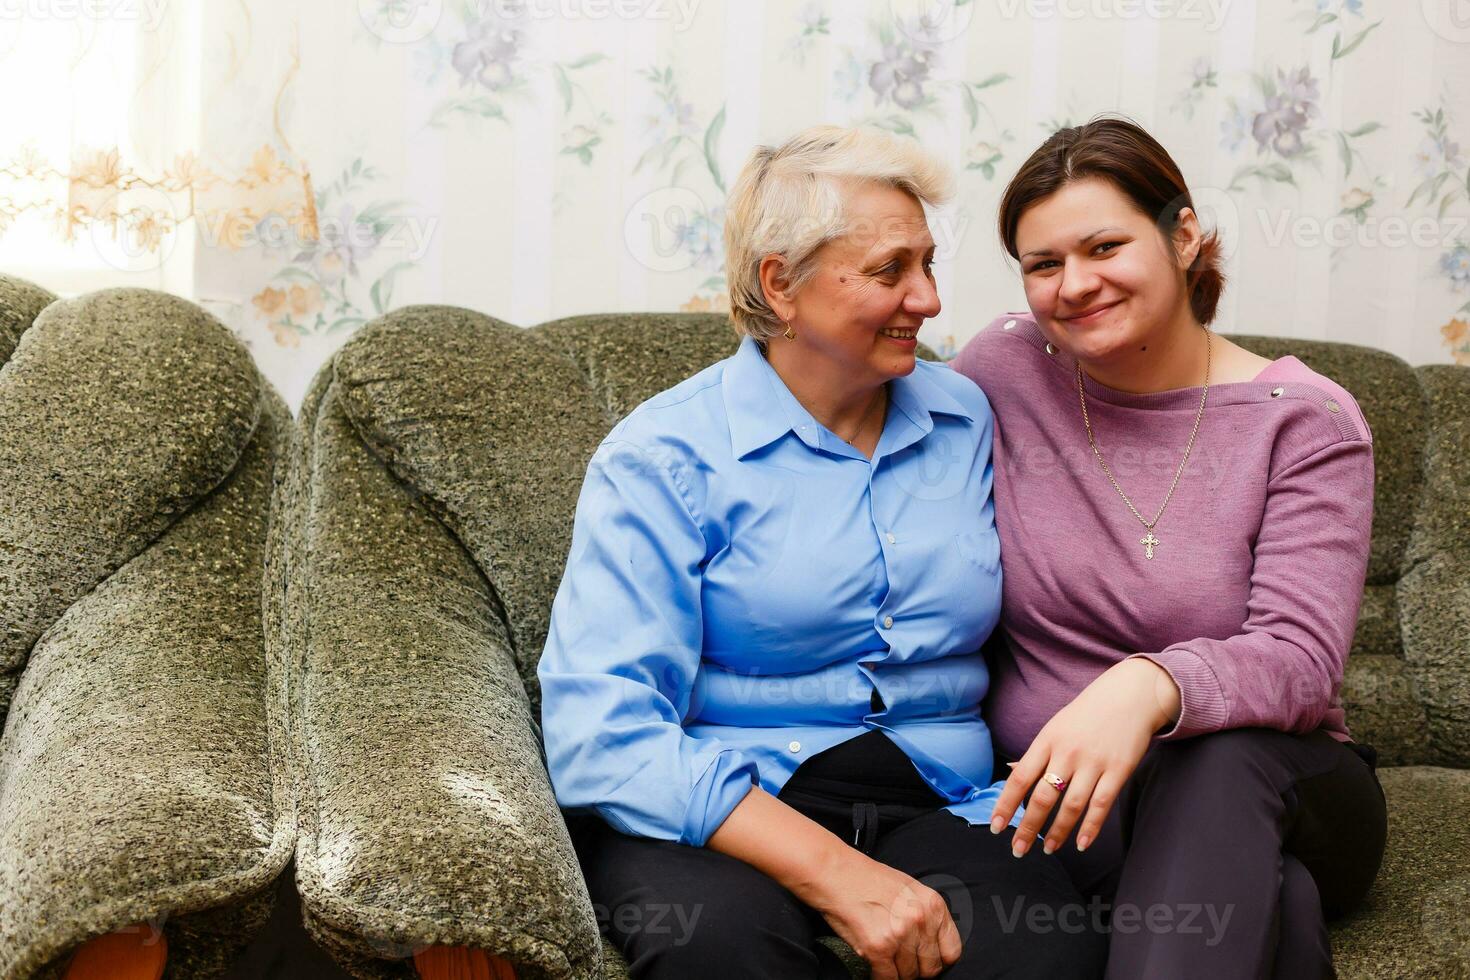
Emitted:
pixel 1251 598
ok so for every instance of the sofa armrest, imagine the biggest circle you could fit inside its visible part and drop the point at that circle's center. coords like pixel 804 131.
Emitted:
pixel 135 781
pixel 21 301
pixel 107 435
pixel 1434 592
pixel 426 814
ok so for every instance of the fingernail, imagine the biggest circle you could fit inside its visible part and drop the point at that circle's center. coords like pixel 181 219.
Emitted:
pixel 1011 764
pixel 996 825
pixel 1048 847
pixel 1017 849
pixel 1083 841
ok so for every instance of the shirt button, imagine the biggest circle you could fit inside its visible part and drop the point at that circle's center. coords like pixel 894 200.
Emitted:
pixel 794 746
pixel 1009 325
pixel 888 622
pixel 891 538
pixel 1051 348
pixel 1333 406
pixel 1277 392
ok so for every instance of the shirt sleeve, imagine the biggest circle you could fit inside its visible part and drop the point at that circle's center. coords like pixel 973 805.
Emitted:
pixel 621 657
pixel 1284 669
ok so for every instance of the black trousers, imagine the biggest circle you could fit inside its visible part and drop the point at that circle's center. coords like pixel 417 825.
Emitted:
pixel 1226 854
pixel 678 912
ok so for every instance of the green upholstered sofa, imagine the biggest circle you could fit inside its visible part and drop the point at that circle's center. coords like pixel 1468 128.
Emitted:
pixel 161 758
pixel 432 484
pixel 138 454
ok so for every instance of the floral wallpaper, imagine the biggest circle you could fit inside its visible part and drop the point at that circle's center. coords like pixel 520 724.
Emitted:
pixel 534 159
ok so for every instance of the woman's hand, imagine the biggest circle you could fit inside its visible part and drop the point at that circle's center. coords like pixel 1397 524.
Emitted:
pixel 1094 743
pixel 901 926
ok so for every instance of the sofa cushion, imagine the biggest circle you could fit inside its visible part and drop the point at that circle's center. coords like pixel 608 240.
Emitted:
pixel 1385 709
pixel 1434 593
pixel 630 357
pixel 1414 922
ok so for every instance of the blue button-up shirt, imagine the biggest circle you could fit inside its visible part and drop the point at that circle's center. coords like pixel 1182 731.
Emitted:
pixel 742 581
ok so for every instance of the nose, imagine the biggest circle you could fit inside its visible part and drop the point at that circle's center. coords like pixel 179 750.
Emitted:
pixel 1078 283
pixel 923 298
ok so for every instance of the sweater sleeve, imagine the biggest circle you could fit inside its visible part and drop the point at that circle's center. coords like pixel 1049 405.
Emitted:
pixel 1284 669
pixel 621 655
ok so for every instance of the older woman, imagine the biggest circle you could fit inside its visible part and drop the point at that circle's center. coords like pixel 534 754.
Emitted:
pixel 1185 528
pixel 762 678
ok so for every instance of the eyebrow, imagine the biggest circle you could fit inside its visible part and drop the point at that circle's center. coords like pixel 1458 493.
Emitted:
pixel 1081 241
pixel 897 250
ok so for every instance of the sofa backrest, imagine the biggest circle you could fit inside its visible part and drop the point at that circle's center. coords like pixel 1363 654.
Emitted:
pixel 493 426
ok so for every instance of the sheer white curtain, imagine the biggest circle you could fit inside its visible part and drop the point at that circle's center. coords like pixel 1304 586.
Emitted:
pixel 107 175
pixel 539 158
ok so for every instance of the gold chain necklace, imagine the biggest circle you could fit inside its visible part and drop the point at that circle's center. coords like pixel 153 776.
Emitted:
pixel 883 397
pixel 1149 541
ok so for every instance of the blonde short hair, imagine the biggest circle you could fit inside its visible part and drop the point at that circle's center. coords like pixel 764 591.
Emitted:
pixel 789 200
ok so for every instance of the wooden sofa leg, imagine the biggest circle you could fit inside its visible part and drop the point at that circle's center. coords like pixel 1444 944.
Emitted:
pixel 123 955
pixel 461 963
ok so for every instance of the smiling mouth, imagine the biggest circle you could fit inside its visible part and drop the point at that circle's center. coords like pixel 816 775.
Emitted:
pixel 1093 312
pixel 897 334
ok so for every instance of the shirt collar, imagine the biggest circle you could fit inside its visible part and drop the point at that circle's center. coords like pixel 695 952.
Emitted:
pixel 760 408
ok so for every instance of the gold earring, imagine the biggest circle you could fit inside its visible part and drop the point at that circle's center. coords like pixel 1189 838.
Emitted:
pixel 788 334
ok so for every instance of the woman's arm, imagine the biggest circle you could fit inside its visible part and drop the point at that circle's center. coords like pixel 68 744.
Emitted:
pixel 1285 666
pixel 621 656
pixel 1282 670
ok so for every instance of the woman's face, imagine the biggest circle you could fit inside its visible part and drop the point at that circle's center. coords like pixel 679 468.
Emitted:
pixel 872 288
pixel 1100 279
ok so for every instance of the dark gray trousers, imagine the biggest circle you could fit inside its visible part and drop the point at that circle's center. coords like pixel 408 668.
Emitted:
pixel 678 912
pixel 1227 853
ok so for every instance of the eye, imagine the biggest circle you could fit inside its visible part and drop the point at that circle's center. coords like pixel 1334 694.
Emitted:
pixel 1046 262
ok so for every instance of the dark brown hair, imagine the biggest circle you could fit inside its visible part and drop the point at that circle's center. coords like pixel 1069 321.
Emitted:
pixel 1122 153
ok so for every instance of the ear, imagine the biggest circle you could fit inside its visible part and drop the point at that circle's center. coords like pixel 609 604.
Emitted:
pixel 779 297
pixel 1187 237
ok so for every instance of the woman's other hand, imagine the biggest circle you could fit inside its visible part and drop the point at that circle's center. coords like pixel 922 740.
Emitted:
pixel 901 926
pixel 1094 743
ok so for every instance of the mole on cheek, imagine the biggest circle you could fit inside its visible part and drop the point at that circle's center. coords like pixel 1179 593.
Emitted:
pixel 842 279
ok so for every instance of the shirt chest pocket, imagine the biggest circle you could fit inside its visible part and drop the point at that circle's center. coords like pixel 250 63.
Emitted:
pixel 979 548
